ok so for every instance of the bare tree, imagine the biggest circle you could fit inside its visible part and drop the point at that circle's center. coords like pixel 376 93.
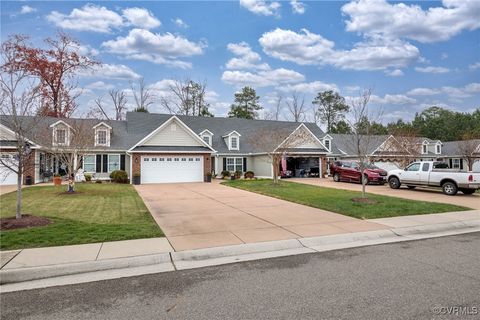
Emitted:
pixel 362 141
pixel 119 104
pixel 469 149
pixel 276 112
pixel 296 107
pixel 77 142
pixel 403 144
pixel 278 143
pixel 186 97
pixel 142 96
pixel 20 95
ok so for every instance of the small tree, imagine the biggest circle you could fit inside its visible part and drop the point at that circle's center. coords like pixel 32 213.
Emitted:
pixel 118 103
pixel 331 107
pixel 79 140
pixel 19 98
pixel 142 96
pixel 187 98
pixel 469 149
pixel 278 143
pixel 246 104
pixel 296 107
pixel 362 140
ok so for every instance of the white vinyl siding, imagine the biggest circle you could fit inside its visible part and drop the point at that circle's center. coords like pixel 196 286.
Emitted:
pixel 172 135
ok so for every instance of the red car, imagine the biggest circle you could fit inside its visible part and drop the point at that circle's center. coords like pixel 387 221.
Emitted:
pixel 350 171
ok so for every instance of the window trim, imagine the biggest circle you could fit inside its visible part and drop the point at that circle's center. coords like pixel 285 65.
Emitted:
pixel 108 161
pixel 55 137
pixel 329 147
pixel 209 139
pixel 458 160
pixel 235 165
pixel 230 142
pixel 94 162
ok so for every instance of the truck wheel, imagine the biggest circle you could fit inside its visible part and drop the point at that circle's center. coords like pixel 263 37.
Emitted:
pixel 394 183
pixel 336 177
pixel 449 188
pixel 468 191
pixel 411 187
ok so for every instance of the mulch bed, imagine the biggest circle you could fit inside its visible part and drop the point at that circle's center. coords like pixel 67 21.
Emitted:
pixel 364 200
pixel 27 221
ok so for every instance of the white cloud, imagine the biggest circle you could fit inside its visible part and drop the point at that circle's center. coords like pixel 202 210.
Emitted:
pixel 431 69
pixel 394 73
pixel 473 87
pixel 180 23
pixel 297 7
pixel 395 99
pixel 87 50
pixel 263 78
pixel 27 9
pixel 423 92
pixel 89 18
pixel 141 17
pixel 411 21
pixel 141 44
pixel 246 58
pixel 262 7
pixel 111 71
pixel 307 48
pixel 309 87
pixel 474 66
pixel 100 85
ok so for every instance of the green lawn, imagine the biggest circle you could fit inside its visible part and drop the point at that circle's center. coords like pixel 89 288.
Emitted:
pixel 98 212
pixel 340 201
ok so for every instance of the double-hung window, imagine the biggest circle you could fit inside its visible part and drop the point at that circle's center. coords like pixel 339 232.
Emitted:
pixel 234 143
pixel 60 136
pixel 102 137
pixel 456 163
pixel 207 139
pixel 89 164
pixel 235 164
pixel 113 162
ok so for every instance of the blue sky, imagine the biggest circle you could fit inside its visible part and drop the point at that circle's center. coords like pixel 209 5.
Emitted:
pixel 411 54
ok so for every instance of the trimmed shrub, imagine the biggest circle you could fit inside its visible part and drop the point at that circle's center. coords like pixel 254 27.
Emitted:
pixel 249 175
pixel 119 176
pixel 238 174
pixel 225 174
pixel 98 181
pixel 88 177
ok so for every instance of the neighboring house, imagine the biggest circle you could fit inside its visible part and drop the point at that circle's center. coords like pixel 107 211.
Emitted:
pixel 165 148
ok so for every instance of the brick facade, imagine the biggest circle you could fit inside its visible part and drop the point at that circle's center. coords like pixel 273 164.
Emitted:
pixel 137 157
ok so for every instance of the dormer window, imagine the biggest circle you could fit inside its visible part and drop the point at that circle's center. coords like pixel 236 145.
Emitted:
pixel 61 133
pixel 206 136
pixel 102 137
pixel 60 136
pixel 438 149
pixel 424 148
pixel 234 143
pixel 232 140
pixel 102 134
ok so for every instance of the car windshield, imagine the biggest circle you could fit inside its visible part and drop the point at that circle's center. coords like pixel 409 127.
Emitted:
pixel 371 166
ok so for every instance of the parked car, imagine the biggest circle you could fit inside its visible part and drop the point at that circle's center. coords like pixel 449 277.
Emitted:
pixel 435 174
pixel 350 171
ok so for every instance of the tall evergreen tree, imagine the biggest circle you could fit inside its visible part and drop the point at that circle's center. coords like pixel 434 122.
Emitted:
pixel 331 108
pixel 246 104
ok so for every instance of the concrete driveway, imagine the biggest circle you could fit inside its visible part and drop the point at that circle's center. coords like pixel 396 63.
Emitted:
pixel 202 215
pixel 422 194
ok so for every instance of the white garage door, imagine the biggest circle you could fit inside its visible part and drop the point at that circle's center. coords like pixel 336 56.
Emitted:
pixel 7 177
pixel 171 169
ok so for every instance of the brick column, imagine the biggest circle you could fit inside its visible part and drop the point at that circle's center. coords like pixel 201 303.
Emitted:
pixel 207 165
pixel 29 168
pixel 136 163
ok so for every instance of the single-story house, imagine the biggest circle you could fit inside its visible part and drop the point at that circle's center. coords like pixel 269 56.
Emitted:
pixel 164 148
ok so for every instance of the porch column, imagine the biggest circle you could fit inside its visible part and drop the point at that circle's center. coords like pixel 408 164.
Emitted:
pixel 320 167
pixel 75 163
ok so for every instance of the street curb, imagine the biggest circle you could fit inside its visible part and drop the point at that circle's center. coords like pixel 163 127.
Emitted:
pixel 35 273
pixel 190 259
pixel 236 253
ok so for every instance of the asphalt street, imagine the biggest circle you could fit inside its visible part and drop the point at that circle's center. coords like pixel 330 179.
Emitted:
pixel 428 279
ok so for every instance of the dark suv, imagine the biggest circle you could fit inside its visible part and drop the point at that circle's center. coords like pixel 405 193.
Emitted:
pixel 350 171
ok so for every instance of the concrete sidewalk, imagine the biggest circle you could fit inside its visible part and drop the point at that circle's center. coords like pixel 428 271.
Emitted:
pixel 97 261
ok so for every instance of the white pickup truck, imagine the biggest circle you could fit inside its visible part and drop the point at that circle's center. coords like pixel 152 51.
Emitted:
pixel 434 174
